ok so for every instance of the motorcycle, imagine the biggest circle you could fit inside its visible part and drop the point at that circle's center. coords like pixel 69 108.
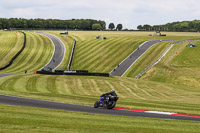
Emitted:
pixel 106 101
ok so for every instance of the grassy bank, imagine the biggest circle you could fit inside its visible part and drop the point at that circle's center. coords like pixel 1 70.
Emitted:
pixel 179 69
pixel 10 44
pixel 37 53
pixel 15 119
pixel 140 94
pixel 97 55
pixel 147 58
pixel 171 86
pixel 68 42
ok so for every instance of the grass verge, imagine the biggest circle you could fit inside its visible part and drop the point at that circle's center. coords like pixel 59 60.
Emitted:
pixel 141 94
pixel 26 119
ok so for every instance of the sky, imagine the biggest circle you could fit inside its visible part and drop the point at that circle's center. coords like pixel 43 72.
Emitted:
pixel 130 13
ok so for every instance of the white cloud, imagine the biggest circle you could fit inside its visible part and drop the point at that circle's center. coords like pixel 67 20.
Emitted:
pixel 128 12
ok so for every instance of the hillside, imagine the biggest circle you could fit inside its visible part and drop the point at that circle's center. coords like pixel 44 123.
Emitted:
pixel 10 44
pixel 179 69
pixel 97 55
pixel 37 53
pixel 170 86
pixel 92 54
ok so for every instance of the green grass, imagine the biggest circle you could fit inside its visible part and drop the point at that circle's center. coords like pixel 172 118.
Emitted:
pixel 172 85
pixel 103 55
pixel 140 94
pixel 68 42
pixel 15 119
pixel 10 44
pixel 181 69
pixel 147 59
pixel 37 53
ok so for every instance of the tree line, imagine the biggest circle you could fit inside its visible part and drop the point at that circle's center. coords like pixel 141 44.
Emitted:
pixel 79 24
pixel 112 26
pixel 184 26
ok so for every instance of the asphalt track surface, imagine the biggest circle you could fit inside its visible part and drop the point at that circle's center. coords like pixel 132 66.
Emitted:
pixel 58 55
pixel 4 75
pixel 18 101
pixel 57 59
pixel 133 57
pixel 59 51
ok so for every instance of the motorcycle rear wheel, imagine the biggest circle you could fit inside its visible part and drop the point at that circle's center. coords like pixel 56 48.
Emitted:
pixel 111 105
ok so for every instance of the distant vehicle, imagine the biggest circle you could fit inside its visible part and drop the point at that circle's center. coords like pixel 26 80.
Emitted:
pixel 97 37
pixel 64 33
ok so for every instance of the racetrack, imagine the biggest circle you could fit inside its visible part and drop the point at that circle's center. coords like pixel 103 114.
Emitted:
pixel 133 57
pixel 59 51
pixel 64 106
pixel 4 75
pixel 11 100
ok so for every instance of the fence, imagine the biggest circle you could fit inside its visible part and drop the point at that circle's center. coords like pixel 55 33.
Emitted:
pixel 72 55
pixel 77 72
pixel 164 53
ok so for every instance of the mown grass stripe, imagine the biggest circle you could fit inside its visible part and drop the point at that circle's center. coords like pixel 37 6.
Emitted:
pixel 51 86
pixel 8 41
pixel 35 55
pixel 91 47
pixel 9 53
pixel 92 52
pixel 10 83
pixel 19 62
pixel 116 51
pixel 31 85
pixel 95 59
pixel 42 53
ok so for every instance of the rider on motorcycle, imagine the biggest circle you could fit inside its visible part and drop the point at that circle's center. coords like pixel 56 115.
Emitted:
pixel 107 100
pixel 111 94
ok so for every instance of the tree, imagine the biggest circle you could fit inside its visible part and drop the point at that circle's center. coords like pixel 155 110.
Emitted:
pixel 83 24
pixel 140 27
pixel 96 27
pixel 119 27
pixel 111 26
pixel 147 27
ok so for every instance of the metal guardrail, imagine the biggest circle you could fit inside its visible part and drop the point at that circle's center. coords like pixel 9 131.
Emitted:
pixel 164 53
pixel 71 57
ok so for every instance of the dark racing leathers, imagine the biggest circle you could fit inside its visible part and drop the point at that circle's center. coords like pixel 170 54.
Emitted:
pixel 110 94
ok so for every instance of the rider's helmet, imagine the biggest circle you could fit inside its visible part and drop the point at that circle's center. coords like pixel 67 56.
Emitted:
pixel 113 90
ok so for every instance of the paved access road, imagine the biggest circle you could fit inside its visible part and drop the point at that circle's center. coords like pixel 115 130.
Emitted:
pixel 79 108
pixel 59 51
pixel 133 57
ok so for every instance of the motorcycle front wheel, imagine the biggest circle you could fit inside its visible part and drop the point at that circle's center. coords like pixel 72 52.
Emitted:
pixel 96 104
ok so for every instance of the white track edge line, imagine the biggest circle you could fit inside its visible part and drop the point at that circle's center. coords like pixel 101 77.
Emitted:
pixel 53 51
pixel 136 60
pixel 129 55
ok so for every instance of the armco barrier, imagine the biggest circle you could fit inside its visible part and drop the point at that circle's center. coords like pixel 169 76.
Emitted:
pixel 164 53
pixel 78 72
pixel 11 61
pixel 72 55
